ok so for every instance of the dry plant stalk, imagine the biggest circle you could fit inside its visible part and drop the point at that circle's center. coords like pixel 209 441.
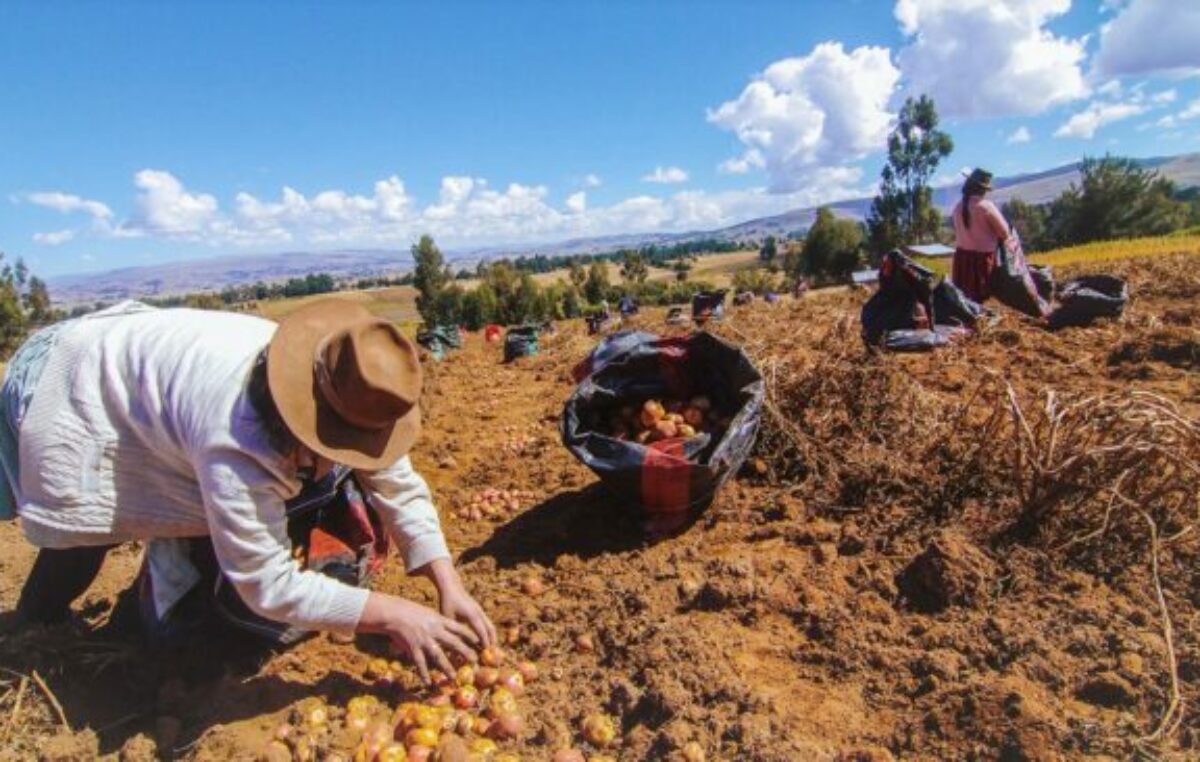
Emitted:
pixel 1109 460
pixel 49 694
pixel 15 714
pixel 1127 450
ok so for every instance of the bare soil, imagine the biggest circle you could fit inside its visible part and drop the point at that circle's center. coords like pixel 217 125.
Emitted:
pixel 882 581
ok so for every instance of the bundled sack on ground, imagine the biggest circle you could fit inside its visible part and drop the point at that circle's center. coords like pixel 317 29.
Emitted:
pixel 438 339
pixel 708 305
pixel 598 322
pixel 664 423
pixel 912 311
pixel 521 342
pixel 1087 298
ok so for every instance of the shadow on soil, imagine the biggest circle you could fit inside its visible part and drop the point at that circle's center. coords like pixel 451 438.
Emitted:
pixel 109 680
pixel 584 523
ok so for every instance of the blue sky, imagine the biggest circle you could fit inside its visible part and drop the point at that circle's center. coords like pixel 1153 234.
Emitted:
pixel 134 133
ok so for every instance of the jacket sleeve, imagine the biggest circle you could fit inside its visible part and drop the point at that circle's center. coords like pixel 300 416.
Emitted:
pixel 405 504
pixel 244 503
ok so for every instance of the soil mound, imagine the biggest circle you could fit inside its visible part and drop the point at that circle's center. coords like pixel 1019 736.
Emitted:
pixel 949 572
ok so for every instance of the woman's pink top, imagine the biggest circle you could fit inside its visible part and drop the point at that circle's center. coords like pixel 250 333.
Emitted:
pixel 987 230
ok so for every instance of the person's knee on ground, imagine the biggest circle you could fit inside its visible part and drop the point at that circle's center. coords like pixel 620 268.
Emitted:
pixel 58 577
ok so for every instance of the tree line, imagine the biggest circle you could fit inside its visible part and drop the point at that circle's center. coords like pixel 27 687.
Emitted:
pixel 24 304
pixel 1115 198
pixel 508 295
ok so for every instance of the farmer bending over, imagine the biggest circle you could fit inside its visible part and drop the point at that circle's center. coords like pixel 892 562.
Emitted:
pixel 143 424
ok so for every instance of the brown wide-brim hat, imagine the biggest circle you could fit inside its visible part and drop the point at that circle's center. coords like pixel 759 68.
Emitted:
pixel 979 179
pixel 346 383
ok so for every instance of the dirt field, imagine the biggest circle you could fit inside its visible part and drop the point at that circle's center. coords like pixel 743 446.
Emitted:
pixel 913 565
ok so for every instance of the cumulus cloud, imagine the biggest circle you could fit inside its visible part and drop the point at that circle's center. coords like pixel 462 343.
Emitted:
pixel 1171 121
pixel 1019 135
pixel 984 58
pixel 1150 36
pixel 53 239
pixel 577 203
pixel 804 118
pixel 666 176
pixel 740 165
pixel 1084 124
pixel 165 206
pixel 591 181
pixel 68 203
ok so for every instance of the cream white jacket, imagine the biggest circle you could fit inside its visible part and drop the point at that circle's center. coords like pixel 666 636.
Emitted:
pixel 139 428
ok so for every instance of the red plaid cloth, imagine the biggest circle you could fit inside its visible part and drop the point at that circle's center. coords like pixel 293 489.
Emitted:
pixel 666 487
pixel 350 534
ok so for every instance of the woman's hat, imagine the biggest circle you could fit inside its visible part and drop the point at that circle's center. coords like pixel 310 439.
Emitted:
pixel 979 178
pixel 346 383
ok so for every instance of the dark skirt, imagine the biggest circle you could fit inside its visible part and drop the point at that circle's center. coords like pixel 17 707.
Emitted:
pixel 971 271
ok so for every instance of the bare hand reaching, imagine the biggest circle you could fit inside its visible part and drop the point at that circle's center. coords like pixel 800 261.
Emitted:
pixel 419 633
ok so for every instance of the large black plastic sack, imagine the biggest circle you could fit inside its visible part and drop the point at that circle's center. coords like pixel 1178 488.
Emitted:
pixel 520 342
pixel 708 305
pixel 913 311
pixel 951 307
pixel 903 301
pixel 1011 282
pixel 1087 298
pixel 1043 279
pixel 667 483
pixel 608 348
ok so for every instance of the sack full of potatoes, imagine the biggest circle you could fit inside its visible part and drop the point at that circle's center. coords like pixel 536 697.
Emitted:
pixel 665 423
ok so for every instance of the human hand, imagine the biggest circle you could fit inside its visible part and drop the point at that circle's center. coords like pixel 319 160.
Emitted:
pixel 418 632
pixel 457 604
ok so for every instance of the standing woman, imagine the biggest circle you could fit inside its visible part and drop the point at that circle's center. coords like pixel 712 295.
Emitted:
pixel 979 229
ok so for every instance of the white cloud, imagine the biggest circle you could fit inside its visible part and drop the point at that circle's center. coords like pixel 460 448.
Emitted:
pixel 164 206
pixel 1166 96
pixel 666 175
pixel 1019 135
pixel 986 58
pixel 467 211
pixel 591 181
pixel 1085 123
pixel 1150 36
pixel 68 203
pixel 740 165
pixel 1171 121
pixel 577 202
pixel 53 239
pixel 804 118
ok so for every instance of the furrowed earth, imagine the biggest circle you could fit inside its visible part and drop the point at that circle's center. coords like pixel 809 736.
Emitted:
pixel 937 556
